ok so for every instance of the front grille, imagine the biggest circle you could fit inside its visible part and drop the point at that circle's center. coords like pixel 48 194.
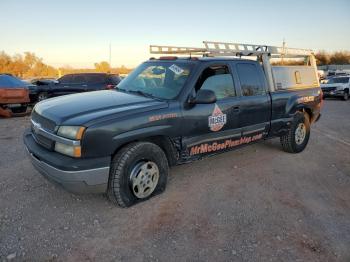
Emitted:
pixel 43 141
pixel 44 122
pixel 328 88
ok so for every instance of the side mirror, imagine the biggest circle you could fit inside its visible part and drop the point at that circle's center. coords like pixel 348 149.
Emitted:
pixel 204 96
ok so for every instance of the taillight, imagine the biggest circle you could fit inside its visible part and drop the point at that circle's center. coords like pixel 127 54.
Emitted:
pixel 110 86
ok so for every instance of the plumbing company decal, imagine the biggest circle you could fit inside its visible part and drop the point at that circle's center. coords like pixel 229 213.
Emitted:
pixel 217 120
pixel 211 147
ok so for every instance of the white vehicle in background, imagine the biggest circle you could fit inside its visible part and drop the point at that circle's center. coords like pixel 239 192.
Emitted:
pixel 332 73
pixel 337 86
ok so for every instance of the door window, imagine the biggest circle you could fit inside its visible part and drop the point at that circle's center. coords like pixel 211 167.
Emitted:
pixel 78 79
pixel 250 81
pixel 67 79
pixel 217 79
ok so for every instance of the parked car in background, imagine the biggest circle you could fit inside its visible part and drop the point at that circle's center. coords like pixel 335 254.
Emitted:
pixel 338 86
pixel 33 93
pixel 14 95
pixel 43 81
pixel 75 83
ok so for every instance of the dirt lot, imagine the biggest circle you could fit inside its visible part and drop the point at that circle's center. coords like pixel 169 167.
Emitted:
pixel 254 204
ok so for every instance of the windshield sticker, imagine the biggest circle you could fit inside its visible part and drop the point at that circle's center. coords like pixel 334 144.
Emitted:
pixel 222 144
pixel 176 69
pixel 160 117
pixel 217 120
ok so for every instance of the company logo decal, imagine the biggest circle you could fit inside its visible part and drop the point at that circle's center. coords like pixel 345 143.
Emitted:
pixel 217 120
pixel 222 145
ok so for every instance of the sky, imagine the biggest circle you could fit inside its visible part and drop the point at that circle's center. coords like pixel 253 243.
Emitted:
pixel 78 33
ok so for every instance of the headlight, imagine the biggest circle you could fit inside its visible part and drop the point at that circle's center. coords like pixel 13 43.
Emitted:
pixel 71 132
pixel 74 151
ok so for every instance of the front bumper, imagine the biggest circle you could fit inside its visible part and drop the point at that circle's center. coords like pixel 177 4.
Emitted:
pixel 334 93
pixel 75 175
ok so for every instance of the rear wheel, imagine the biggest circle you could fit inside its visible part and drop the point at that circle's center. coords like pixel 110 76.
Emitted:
pixel 298 136
pixel 138 172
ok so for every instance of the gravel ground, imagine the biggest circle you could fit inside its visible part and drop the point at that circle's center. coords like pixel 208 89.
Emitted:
pixel 254 204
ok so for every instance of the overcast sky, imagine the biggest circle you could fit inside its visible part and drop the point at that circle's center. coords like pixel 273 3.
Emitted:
pixel 78 33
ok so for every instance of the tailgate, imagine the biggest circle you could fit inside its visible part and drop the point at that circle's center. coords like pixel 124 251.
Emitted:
pixel 14 95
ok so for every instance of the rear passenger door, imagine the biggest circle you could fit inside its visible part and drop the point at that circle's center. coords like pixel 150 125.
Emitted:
pixel 255 102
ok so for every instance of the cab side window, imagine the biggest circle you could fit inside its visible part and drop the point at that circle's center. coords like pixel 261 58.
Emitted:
pixel 251 84
pixel 67 79
pixel 219 80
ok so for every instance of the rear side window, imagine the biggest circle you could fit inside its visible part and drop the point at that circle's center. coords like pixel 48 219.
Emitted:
pixel 250 81
pixel 94 79
pixel 217 79
pixel 67 79
pixel 78 79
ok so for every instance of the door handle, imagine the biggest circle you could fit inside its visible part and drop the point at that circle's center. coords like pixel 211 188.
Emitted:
pixel 236 109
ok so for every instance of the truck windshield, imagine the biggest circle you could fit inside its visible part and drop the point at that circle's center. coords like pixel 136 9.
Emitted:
pixel 338 80
pixel 161 80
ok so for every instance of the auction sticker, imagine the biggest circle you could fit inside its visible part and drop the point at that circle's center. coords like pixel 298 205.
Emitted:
pixel 176 69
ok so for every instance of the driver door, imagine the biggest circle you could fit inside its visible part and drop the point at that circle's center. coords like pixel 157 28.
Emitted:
pixel 211 128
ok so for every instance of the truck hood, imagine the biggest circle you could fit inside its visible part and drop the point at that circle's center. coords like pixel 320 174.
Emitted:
pixel 80 109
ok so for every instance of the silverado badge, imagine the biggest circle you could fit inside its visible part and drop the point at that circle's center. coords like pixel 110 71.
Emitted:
pixel 217 120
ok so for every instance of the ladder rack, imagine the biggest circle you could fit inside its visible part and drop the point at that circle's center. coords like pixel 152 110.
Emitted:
pixel 157 49
pixel 231 49
pixel 263 52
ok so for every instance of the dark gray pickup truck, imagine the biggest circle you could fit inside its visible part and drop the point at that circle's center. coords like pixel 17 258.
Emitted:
pixel 168 111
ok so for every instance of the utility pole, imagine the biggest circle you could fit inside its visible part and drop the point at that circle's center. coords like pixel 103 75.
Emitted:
pixel 110 55
pixel 283 51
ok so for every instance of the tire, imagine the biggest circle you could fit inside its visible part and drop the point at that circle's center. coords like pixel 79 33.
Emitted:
pixel 126 185
pixel 346 95
pixel 294 141
pixel 42 96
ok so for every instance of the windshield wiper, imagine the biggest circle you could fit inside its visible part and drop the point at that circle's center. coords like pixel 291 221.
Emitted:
pixel 145 94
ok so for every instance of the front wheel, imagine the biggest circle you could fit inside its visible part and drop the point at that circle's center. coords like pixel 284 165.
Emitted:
pixel 298 136
pixel 42 96
pixel 138 172
pixel 346 96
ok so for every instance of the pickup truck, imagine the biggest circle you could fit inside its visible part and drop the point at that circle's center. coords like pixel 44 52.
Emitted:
pixel 74 83
pixel 170 110
pixel 337 86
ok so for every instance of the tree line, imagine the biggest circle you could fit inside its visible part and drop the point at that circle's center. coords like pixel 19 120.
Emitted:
pixel 29 65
